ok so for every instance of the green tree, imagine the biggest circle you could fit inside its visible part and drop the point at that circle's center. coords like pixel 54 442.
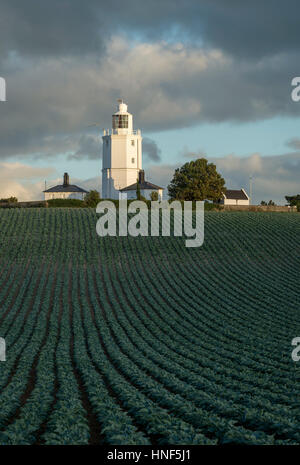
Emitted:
pixel 154 196
pixel 270 203
pixel 197 180
pixel 92 199
pixel 293 199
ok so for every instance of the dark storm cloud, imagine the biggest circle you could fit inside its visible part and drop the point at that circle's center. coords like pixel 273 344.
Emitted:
pixel 88 148
pixel 243 28
pixel 151 150
pixel 294 143
pixel 40 27
pixel 51 102
pixel 66 62
pixel 246 28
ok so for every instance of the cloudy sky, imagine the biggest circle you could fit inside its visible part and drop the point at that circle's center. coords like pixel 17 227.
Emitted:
pixel 201 77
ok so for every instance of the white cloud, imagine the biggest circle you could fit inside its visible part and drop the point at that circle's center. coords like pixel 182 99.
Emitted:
pixel 22 181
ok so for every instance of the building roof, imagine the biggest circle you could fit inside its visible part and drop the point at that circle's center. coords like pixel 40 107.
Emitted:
pixel 68 188
pixel 143 185
pixel 236 194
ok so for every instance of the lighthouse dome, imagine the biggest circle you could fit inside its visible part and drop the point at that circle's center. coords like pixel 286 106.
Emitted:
pixel 122 107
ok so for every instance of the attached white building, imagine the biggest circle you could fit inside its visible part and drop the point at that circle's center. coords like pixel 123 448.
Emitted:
pixel 65 191
pixel 122 157
pixel 146 188
pixel 235 197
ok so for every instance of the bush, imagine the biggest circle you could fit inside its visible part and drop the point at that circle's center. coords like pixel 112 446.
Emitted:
pixel 211 206
pixel 9 200
pixel 34 204
pixel 30 204
pixel 92 199
pixel 154 196
pixel 66 203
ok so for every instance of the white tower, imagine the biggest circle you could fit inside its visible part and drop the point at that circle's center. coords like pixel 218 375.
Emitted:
pixel 122 154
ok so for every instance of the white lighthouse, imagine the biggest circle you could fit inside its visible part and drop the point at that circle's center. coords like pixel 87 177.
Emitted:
pixel 122 154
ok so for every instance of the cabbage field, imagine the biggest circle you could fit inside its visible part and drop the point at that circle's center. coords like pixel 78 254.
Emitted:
pixel 144 341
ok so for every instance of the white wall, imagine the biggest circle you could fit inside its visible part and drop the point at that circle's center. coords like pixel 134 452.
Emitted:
pixel 121 162
pixel 144 192
pixel 147 193
pixel 234 202
pixel 229 202
pixel 64 195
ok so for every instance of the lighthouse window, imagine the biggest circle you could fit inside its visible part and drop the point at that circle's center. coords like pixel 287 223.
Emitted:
pixel 132 160
pixel 120 121
pixel 132 142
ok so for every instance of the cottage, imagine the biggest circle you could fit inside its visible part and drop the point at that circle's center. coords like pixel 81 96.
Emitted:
pixel 235 197
pixel 65 191
pixel 146 188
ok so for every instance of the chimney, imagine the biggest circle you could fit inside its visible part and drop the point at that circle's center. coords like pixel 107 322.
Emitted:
pixel 141 176
pixel 66 179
